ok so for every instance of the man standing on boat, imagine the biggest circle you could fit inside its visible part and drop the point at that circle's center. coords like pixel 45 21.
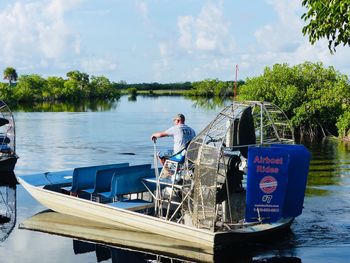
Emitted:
pixel 181 133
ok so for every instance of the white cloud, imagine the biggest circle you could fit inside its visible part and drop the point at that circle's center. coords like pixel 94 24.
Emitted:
pixel 185 27
pixel 208 32
pixel 163 50
pixel 282 41
pixel 52 39
pixel 36 31
pixel 285 34
pixel 97 65
pixel 161 67
pixel 142 8
pixel 204 46
pixel 220 64
pixel 57 8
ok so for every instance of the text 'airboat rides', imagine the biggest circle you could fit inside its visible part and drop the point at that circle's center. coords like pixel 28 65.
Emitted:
pixel 241 178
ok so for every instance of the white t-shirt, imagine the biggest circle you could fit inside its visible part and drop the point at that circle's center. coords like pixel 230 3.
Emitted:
pixel 182 135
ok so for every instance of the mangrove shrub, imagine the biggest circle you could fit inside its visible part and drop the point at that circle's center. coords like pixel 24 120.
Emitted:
pixel 315 98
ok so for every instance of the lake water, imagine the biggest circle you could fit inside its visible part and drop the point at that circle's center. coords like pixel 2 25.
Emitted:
pixel 119 132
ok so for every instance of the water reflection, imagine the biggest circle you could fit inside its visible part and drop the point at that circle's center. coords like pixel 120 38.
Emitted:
pixel 329 168
pixel 324 221
pixel 7 204
pixel 212 103
pixel 76 106
pixel 65 225
pixel 122 245
pixel 132 98
pixel 118 255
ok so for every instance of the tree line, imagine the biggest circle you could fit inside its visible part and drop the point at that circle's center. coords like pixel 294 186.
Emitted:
pixel 34 88
pixel 78 85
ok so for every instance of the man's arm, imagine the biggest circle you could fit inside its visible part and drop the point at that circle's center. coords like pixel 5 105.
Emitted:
pixel 158 135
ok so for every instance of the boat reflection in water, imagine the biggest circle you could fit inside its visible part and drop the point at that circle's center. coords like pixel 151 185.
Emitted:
pixel 119 255
pixel 123 245
pixel 7 204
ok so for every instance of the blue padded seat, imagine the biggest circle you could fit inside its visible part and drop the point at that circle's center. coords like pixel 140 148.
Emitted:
pixel 179 157
pixel 103 181
pixel 85 177
pixel 127 180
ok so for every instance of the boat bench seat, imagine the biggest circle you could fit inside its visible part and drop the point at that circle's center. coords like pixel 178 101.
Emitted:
pixel 126 180
pixel 85 177
pixel 104 180
pixel 132 205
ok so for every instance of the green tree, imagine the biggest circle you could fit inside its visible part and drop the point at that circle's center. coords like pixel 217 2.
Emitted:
pixel 6 92
pixel 132 91
pixel 11 75
pixel 212 87
pixel 101 87
pixel 55 87
pixel 30 88
pixel 72 90
pixel 343 124
pixel 204 88
pixel 81 82
pixel 327 19
pixel 78 76
pixel 312 96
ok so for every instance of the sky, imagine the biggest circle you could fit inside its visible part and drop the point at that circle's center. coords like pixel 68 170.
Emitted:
pixel 165 41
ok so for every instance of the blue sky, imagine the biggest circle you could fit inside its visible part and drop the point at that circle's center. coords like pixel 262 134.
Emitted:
pixel 157 40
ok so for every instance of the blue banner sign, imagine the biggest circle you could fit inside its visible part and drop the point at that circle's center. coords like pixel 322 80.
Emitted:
pixel 267 181
pixel 299 161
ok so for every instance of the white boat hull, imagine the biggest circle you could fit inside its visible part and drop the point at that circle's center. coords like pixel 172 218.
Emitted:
pixel 118 217
pixel 134 221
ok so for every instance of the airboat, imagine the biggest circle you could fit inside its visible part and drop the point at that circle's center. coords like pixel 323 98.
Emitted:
pixel 8 209
pixel 240 179
pixel 8 156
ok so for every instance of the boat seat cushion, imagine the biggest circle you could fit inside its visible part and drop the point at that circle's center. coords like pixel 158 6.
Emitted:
pixel 179 157
pixel 127 180
pixel 103 181
pixel 85 177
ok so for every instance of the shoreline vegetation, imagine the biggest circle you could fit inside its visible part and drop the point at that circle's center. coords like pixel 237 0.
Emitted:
pixel 316 99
